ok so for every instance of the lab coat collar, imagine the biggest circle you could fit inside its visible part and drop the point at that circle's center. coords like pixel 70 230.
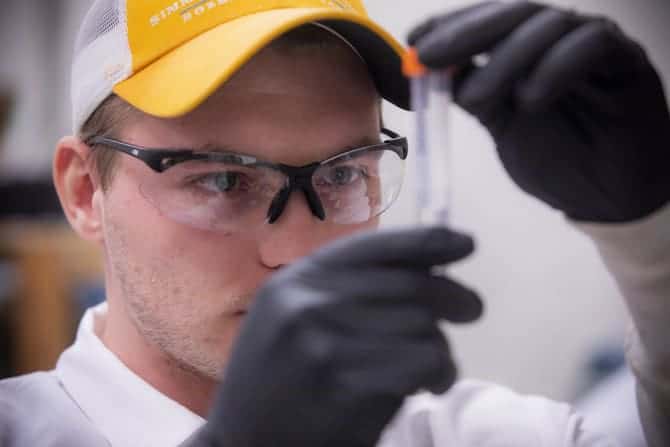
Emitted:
pixel 126 409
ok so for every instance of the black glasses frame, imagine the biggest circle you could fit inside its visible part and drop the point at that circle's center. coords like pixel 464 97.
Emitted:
pixel 299 177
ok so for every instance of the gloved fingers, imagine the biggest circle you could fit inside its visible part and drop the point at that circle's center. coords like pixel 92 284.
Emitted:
pixel 378 367
pixel 369 319
pixel 475 32
pixel 443 298
pixel 571 61
pixel 419 248
pixel 453 302
pixel 411 317
pixel 513 59
pixel 460 75
pixel 383 301
pixel 429 25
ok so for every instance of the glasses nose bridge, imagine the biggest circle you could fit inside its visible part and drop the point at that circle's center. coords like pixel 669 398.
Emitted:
pixel 299 178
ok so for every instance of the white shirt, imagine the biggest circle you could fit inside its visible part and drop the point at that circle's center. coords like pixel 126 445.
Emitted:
pixel 130 412
pixel 124 408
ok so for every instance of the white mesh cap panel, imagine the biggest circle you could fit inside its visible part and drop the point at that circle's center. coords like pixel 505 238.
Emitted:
pixel 102 18
pixel 101 59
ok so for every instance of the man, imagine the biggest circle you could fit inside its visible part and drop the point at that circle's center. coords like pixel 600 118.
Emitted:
pixel 213 195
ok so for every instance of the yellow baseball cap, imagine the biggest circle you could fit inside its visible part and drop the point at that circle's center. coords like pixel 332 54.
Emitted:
pixel 165 57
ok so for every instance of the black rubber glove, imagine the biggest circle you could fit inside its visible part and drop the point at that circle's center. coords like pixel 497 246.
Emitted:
pixel 334 343
pixel 576 109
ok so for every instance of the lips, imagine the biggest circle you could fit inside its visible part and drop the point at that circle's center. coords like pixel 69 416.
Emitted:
pixel 239 305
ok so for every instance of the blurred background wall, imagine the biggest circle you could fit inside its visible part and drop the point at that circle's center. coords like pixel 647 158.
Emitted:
pixel 550 303
pixel 37 39
pixel 42 264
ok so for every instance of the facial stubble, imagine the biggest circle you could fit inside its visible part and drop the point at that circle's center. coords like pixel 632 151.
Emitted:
pixel 159 301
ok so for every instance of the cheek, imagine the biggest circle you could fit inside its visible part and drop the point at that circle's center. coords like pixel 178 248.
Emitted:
pixel 159 248
pixel 220 260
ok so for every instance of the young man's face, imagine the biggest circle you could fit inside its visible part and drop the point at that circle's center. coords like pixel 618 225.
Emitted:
pixel 186 289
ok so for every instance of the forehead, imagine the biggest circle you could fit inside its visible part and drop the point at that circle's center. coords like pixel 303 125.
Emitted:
pixel 291 106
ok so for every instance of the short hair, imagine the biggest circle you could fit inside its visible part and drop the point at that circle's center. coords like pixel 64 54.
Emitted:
pixel 109 118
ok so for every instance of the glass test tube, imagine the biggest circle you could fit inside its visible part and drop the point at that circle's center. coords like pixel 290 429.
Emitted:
pixel 431 98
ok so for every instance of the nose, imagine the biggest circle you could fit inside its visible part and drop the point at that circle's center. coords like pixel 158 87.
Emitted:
pixel 295 234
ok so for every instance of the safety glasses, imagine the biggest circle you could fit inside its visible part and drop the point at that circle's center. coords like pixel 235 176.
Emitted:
pixel 226 191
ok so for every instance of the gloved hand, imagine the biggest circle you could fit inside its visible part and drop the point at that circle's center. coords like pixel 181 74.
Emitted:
pixel 333 343
pixel 576 109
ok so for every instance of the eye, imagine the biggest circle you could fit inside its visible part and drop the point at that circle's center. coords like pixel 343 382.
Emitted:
pixel 221 181
pixel 342 175
pixel 226 181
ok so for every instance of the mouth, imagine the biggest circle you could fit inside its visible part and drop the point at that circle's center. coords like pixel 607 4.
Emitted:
pixel 239 305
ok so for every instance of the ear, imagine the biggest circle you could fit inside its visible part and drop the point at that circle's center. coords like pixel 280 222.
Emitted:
pixel 78 189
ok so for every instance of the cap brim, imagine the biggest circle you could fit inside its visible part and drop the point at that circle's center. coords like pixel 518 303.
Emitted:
pixel 182 79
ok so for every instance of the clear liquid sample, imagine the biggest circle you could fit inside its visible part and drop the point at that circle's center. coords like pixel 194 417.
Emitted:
pixel 431 100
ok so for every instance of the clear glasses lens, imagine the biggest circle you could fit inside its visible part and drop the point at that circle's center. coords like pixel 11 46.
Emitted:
pixel 357 187
pixel 214 196
pixel 230 197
